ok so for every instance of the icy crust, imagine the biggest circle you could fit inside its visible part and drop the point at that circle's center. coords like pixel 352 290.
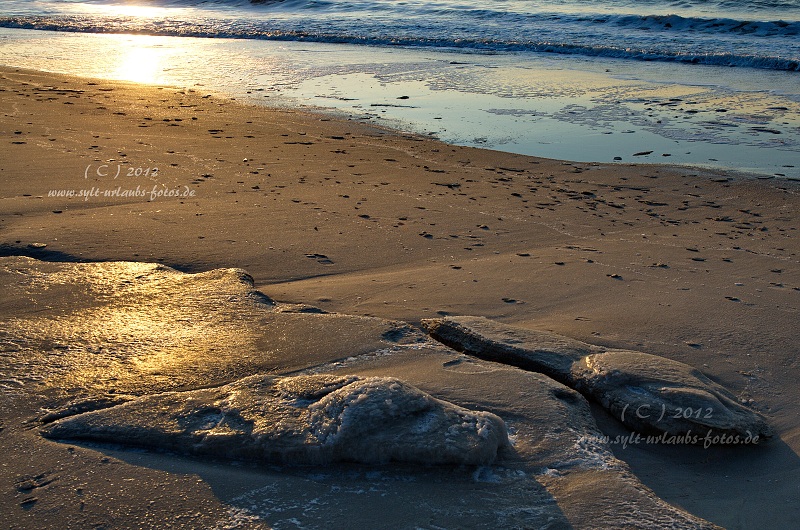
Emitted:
pixel 647 393
pixel 313 419
pixel 89 329
pixel 536 351
pixel 650 393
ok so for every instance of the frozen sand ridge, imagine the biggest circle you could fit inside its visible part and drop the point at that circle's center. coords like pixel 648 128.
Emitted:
pixel 646 392
pixel 304 419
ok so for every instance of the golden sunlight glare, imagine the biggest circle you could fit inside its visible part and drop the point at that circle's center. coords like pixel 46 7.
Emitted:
pixel 130 10
pixel 142 59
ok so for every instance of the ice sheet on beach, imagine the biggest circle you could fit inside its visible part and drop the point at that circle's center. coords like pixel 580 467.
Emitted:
pixel 339 388
pixel 648 393
pixel 124 326
pixel 312 419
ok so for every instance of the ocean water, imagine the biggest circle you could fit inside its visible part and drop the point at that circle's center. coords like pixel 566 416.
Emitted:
pixel 761 34
pixel 702 82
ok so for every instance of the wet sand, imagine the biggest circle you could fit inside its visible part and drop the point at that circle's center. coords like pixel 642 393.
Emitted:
pixel 691 265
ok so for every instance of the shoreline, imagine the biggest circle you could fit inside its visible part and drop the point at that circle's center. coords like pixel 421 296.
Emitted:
pixel 527 104
pixel 692 265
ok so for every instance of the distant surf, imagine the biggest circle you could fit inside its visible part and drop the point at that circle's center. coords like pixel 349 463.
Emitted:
pixel 743 34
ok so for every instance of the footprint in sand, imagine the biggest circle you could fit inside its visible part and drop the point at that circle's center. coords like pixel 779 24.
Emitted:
pixel 321 258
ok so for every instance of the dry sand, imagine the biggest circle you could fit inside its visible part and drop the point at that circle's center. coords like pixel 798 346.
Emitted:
pixel 692 265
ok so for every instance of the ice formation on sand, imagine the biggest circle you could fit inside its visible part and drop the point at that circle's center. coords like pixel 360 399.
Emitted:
pixel 144 355
pixel 88 330
pixel 302 419
pixel 535 351
pixel 646 392
pixel 651 393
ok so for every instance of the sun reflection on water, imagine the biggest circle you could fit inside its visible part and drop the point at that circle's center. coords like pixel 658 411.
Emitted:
pixel 128 10
pixel 142 59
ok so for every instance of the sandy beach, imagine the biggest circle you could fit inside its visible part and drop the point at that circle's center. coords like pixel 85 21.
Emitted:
pixel 344 220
